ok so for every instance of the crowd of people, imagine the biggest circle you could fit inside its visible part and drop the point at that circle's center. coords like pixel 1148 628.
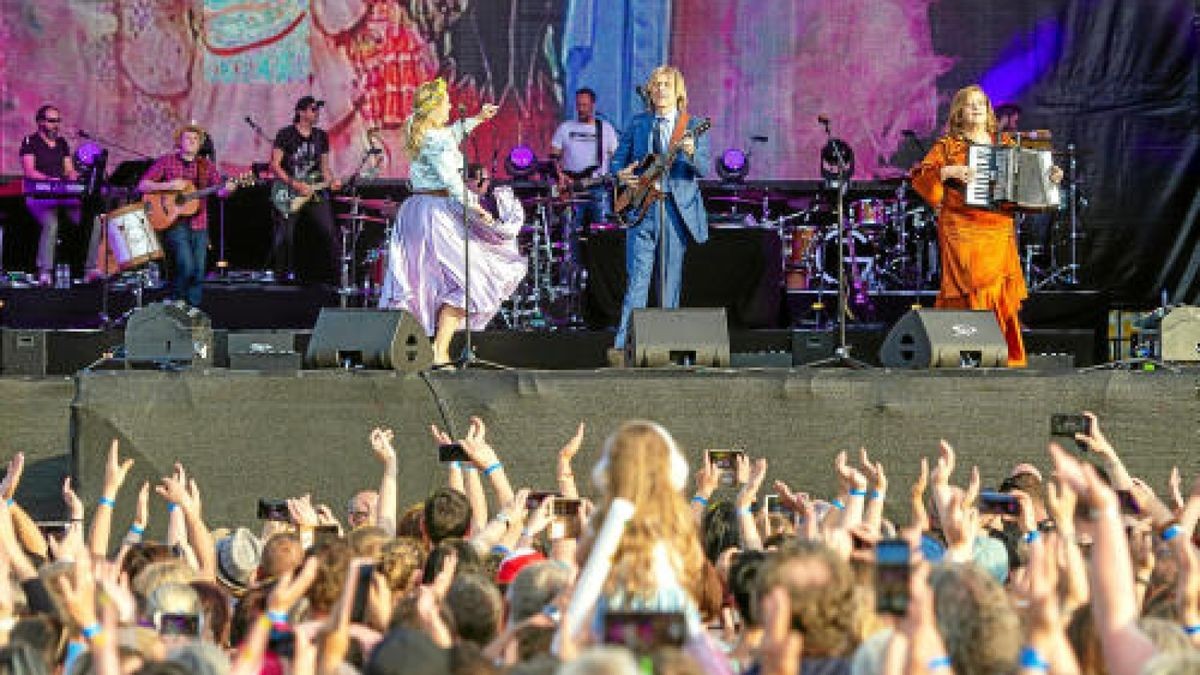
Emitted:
pixel 1082 569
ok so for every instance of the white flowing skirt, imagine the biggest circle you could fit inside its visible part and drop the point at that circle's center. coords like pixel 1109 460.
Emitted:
pixel 426 264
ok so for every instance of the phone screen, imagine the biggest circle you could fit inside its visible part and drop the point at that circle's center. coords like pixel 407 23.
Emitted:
pixel 273 509
pixel 725 462
pixel 991 503
pixel 891 576
pixel 362 588
pixel 643 632
pixel 452 452
pixel 178 624
pixel 1067 425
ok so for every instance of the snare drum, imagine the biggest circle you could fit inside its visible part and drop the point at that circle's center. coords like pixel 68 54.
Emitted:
pixel 871 212
pixel 130 237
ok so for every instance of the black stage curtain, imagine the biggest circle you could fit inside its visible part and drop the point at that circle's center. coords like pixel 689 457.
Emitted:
pixel 1121 81
pixel 738 269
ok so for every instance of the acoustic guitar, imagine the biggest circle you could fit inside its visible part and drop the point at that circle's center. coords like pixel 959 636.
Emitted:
pixel 164 207
pixel 633 202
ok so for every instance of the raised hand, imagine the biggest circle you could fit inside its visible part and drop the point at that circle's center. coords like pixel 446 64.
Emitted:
pixel 707 477
pixel 291 587
pixel 440 437
pixel 874 472
pixel 115 470
pixel 381 444
pixel 302 512
pixel 71 500
pixel 174 488
pixel 849 477
pixel 478 449
pixel 12 476
pixel 754 481
pixel 141 512
pixel 1095 439
pixel 571 448
pixel 742 468
pixel 1174 484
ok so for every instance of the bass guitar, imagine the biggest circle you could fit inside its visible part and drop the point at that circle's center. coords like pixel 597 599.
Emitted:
pixel 164 207
pixel 581 181
pixel 634 201
pixel 287 201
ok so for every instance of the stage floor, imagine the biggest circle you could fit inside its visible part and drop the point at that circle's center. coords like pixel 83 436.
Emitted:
pixel 246 434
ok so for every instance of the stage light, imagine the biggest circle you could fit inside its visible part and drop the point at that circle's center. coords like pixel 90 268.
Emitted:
pixel 837 160
pixel 520 161
pixel 733 165
pixel 87 153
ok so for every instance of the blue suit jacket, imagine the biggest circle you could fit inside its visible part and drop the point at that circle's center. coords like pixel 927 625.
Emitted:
pixel 681 179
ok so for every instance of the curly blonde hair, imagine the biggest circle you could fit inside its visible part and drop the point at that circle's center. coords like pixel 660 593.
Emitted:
pixel 426 100
pixel 956 124
pixel 639 470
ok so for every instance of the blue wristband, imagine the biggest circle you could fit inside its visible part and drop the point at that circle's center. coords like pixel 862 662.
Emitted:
pixel 455 465
pixel 939 662
pixel 855 492
pixel 91 631
pixel 1171 532
pixel 1030 658
pixel 874 494
pixel 137 529
pixel 837 504
pixel 277 617
pixel 469 467
pixel 10 501
pixel 493 469
pixel 171 506
pixel 501 549
pixel 1193 629
pixel 108 501
pixel 700 500
pixel 1031 536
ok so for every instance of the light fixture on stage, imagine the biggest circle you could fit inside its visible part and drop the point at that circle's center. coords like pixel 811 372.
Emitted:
pixel 87 153
pixel 520 161
pixel 733 165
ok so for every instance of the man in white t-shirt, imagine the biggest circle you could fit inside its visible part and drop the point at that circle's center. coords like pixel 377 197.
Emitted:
pixel 580 149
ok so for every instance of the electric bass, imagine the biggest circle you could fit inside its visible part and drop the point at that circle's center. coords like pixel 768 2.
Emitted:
pixel 288 201
pixel 634 201
pixel 164 207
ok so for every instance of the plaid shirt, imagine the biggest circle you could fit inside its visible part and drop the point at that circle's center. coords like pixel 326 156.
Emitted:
pixel 169 167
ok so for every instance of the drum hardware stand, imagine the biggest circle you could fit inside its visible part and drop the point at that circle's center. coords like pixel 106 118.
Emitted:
pixel 1068 275
pixel 841 353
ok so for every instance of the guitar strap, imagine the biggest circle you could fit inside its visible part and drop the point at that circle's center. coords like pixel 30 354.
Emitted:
pixel 201 172
pixel 681 125
pixel 599 145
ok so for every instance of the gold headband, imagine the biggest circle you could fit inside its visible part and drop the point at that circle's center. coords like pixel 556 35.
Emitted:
pixel 428 96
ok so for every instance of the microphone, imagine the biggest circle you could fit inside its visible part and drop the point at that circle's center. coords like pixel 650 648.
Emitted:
pixel 641 92
pixel 908 132
pixel 462 109
pixel 253 126
pixel 823 119
pixel 82 134
pixel 374 151
pixel 758 139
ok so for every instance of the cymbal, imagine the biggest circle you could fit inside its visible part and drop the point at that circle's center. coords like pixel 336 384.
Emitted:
pixel 363 217
pixel 365 202
pixel 734 199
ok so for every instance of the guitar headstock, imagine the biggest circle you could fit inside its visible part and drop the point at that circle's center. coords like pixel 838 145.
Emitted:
pixel 246 179
pixel 704 125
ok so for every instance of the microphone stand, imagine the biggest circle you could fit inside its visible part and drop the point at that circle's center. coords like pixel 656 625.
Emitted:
pixel 468 358
pixel 841 354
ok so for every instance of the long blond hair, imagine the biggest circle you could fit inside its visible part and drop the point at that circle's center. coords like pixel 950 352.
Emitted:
pixel 638 468
pixel 425 101
pixel 681 95
pixel 956 125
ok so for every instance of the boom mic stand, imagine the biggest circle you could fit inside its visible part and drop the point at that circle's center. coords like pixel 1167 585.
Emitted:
pixel 841 181
pixel 468 358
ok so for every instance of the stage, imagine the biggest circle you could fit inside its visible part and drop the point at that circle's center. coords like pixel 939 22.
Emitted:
pixel 247 434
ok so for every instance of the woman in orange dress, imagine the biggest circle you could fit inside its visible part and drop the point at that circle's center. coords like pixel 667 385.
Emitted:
pixel 981 268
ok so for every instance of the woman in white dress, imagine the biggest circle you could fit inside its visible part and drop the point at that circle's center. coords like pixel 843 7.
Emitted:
pixel 427 274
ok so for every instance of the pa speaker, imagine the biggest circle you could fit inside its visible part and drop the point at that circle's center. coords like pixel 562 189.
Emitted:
pixel 684 337
pixel 22 352
pixel 1181 334
pixel 169 331
pixel 945 338
pixel 383 339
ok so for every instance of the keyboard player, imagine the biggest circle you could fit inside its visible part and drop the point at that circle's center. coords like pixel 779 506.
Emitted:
pixel 45 155
pixel 981 267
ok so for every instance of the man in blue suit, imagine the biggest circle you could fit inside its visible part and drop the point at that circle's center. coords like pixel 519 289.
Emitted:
pixel 685 217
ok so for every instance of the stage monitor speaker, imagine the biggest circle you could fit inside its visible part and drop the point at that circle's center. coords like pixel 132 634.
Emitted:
pixel 22 352
pixel 945 338
pixel 380 339
pixel 1180 337
pixel 682 337
pixel 169 332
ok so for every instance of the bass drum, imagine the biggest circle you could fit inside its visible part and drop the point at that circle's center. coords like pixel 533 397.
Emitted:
pixel 862 255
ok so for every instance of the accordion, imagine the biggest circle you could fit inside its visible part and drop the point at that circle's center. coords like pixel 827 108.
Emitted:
pixel 1014 177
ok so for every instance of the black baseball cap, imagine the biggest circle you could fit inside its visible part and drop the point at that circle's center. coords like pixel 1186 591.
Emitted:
pixel 307 102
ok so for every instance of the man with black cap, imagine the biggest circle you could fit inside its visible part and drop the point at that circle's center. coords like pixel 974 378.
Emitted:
pixel 300 162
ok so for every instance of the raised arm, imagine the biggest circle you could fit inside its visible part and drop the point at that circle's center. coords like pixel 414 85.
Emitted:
pixel 566 475
pixel 484 457
pixel 114 476
pixel 185 494
pixel 755 473
pixel 381 445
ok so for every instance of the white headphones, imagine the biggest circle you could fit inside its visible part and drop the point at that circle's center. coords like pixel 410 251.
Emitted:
pixel 679 465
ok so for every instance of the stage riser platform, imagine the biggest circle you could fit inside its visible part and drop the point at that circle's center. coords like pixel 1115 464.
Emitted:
pixel 246 435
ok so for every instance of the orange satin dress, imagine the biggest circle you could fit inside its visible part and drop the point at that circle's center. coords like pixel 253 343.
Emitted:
pixel 981 268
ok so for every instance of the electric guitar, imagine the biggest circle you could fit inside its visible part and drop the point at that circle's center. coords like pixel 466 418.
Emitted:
pixel 288 201
pixel 586 179
pixel 164 207
pixel 634 201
